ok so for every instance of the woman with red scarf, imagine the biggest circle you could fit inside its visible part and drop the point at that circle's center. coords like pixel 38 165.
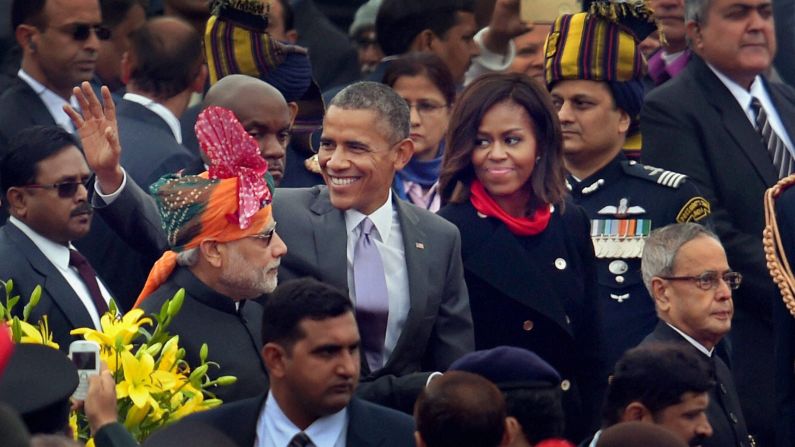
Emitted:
pixel 527 252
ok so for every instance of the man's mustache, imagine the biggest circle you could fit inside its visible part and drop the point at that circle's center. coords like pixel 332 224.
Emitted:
pixel 83 208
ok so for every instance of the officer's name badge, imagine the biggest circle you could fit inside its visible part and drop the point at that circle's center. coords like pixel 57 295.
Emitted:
pixel 619 238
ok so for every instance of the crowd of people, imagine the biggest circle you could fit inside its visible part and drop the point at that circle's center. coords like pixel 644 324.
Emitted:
pixel 409 222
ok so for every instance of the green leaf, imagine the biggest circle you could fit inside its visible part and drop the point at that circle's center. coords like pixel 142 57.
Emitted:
pixel 35 296
pixel 12 302
pixel 112 308
pixel 9 285
pixel 16 330
pixel 226 380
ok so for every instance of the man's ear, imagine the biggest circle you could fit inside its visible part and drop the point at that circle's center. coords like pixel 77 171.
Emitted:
pixel 126 68
pixel 293 106
pixel 422 41
pixel 624 121
pixel 513 430
pixel 17 202
pixel 418 439
pixel 659 291
pixel 636 411
pixel 693 33
pixel 292 36
pixel 405 150
pixel 212 252
pixel 26 37
pixel 274 356
pixel 197 86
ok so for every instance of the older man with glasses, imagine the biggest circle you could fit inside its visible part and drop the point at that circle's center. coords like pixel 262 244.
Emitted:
pixel 60 42
pixel 685 269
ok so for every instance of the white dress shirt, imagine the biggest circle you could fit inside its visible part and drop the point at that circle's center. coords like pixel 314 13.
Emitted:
pixel 758 91
pixel 161 111
pixel 52 101
pixel 692 341
pixel 389 242
pixel 274 429
pixel 58 255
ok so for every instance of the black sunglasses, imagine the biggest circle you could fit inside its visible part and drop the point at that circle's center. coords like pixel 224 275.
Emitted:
pixel 66 190
pixel 266 236
pixel 81 31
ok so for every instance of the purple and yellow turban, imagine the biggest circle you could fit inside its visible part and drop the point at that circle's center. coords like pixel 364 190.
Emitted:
pixel 230 201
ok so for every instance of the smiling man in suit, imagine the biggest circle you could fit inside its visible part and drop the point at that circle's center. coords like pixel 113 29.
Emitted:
pixel 730 130
pixel 412 305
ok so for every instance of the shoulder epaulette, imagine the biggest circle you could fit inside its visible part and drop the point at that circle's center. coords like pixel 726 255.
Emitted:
pixel 660 176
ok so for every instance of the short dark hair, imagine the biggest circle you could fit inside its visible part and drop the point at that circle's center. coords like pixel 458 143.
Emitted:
pixel 297 300
pixel 164 63
pixel 115 11
pixel 392 110
pixel 423 64
pixel 18 167
pixel 538 410
pixel 547 183
pixel 460 408
pixel 398 22
pixel 27 11
pixel 656 375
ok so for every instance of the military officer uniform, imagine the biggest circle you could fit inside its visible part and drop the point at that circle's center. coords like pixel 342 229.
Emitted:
pixel 625 200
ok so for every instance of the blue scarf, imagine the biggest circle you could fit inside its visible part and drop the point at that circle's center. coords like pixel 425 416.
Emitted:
pixel 425 173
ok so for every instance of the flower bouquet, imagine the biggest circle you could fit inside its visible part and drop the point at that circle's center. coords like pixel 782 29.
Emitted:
pixel 154 385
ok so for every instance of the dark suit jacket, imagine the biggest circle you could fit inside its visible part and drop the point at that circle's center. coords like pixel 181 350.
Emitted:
pixel 149 151
pixel 694 125
pixel 23 262
pixel 20 108
pixel 539 293
pixel 438 328
pixel 724 412
pixel 784 324
pixel 369 425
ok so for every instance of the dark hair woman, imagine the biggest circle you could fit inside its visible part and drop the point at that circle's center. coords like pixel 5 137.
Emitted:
pixel 528 256
pixel 424 81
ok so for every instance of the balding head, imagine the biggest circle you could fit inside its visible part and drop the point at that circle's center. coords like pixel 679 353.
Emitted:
pixel 262 111
pixel 164 60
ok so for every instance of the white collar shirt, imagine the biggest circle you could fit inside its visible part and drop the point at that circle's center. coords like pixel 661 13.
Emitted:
pixel 389 242
pixel 52 101
pixel 58 255
pixel 274 429
pixel 692 341
pixel 758 91
pixel 160 110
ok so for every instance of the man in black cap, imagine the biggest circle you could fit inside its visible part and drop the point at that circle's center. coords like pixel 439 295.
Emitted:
pixel 531 387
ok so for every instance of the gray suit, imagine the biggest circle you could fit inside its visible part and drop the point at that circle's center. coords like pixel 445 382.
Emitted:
pixel 438 328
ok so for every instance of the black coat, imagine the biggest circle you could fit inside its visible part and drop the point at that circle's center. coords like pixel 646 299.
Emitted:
pixel 724 412
pixel 232 336
pixel 538 293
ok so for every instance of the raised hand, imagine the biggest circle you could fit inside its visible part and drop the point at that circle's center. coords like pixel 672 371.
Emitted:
pixel 506 23
pixel 99 134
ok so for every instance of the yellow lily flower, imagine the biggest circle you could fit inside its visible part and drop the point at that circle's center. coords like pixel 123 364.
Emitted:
pixel 116 329
pixel 37 335
pixel 137 382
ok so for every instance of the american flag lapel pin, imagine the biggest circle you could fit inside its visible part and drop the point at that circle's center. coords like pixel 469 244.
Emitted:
pixel 420 245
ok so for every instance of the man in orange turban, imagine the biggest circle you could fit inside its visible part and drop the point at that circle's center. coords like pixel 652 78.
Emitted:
pixel 217 230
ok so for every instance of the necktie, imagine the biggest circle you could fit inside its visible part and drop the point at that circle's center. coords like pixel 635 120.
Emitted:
pixel 782 159
pixel 89 277
pixel 301 440
pixel 372 298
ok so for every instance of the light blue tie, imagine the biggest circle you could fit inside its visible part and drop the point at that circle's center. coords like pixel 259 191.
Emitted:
pixel 372 298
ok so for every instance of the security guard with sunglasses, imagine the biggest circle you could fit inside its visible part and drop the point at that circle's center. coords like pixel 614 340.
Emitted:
pixel 598 100
pixel 59 40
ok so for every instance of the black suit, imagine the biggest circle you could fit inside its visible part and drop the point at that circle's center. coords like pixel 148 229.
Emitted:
pixel 20 108
pixel 724 412
pixel 368 424
pixel 22 261
pixel 694 125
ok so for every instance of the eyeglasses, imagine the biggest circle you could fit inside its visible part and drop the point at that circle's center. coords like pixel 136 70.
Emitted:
pixel 82 31
pixel 425 107
pixel 709 280
pixel 66 190
pixel 267 236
